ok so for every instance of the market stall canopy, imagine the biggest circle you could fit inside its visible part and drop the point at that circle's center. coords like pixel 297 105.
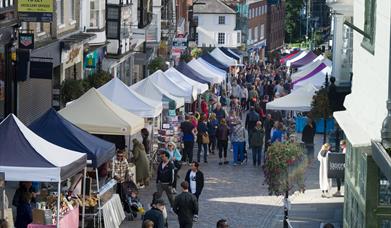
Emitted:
pixel 299 100
pixel 311 67
pixel 206 74
pixel 305 60
pixel 179 90
pixel 96 114
pixel 319 58
pixel 295 58
pixel 216 70
pixel 190 73
pixel 211 60
pixel 316 78
pixel 120 94
pixel 220 56
pixel 181 79
pixel 148 88
pixel 57 130
pixel 230 53
pixel 27 157
pixel 292 54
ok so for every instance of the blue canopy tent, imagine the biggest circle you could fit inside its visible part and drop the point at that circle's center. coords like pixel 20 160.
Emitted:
pixel 230 53
pixel 190 73
pixel 57 130
pixel 210 59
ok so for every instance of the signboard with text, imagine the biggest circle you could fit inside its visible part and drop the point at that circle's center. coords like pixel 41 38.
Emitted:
pixel 35 10
pixel 336 165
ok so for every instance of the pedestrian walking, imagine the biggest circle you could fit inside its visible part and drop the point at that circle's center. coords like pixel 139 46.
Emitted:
pixel 308 136
pixel 165 177
pixel 188 132
pixel 220 112
pixel 222 140
pixel 238 140
pixel 213 124
pixel 146 141
pixel 251 120
pixel 155 214
pixel 222 223
pixel 324 182
pixel 186 207
pixel 268 125
pixel 142 163
pixel 277 132
pixel 175 158
pixel 202 139
pixel 257 143
pixel 121 175
pixel 196 179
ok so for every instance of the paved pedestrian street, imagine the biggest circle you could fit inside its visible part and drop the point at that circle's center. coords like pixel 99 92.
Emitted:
pixel 238 194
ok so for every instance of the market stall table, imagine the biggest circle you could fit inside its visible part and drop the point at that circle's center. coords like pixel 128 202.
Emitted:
pixel 71 219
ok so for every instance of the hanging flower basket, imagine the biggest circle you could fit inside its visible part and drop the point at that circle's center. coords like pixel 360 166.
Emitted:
pixel 284 167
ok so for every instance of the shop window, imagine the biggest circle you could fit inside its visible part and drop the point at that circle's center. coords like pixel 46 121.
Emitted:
pixel 221 38
pixel 60 11
pixel 385 223
pixel 369 26
pixel 384 190
pixel 71 9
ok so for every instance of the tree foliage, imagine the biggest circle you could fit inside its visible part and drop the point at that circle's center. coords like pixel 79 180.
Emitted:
pixel 292 17
pixel 320 106
pixel 156 64
pixel 186 57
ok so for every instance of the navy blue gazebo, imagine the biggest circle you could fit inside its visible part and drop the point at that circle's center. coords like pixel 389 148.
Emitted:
pixel 57 130
pixel 229 53
pixel 190 73
pixel 210 59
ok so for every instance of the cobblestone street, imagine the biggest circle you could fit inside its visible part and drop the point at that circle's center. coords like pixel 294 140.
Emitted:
pixel 237 193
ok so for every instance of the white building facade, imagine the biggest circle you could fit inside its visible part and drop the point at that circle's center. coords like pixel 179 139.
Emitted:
pixel 216 25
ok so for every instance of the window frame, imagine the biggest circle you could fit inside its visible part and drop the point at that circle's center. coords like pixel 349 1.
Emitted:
pixel 221 20
pixel 60 16
pixel 221 38
pixel 369 26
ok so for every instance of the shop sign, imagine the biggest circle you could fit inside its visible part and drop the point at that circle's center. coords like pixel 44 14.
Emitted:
pixel 26 40
pixel 172 112
pixel 35 10
pixel 180 42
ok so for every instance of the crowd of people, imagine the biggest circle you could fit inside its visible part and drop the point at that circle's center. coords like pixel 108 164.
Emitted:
pixel 237 123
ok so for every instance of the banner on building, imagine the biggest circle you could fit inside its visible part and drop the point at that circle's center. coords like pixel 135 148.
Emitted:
pixel 35 11
pixel 336 165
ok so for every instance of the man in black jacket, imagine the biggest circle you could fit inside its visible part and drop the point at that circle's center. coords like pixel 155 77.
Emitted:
pixel 165 177
pixel 308 135
pixel 155 214
pixel 185 206
pixel 195 178
pixel 251 120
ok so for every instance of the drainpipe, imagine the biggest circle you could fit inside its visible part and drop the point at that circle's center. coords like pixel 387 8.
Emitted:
pixel 386 127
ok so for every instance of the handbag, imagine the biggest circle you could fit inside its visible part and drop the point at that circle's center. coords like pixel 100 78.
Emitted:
pixel 205 139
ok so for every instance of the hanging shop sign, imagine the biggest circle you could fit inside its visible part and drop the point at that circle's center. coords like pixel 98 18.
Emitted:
pixel 26 40
pixel 35 10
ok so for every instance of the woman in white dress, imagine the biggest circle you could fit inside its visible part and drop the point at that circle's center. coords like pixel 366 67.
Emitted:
pixel 324 182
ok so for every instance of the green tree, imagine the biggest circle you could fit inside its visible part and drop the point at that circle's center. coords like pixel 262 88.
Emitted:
pixel 292 18
pixel 156 64
pixel 71 89
pixel 186 57
pixel 98 79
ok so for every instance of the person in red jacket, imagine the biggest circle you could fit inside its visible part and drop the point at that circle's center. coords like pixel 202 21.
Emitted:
pixel 204 107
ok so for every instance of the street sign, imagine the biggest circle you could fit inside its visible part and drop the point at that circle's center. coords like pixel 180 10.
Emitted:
pixel 336 165
pixel 35 10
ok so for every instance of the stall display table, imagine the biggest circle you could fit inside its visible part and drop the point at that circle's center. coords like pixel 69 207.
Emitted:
pixel 71 219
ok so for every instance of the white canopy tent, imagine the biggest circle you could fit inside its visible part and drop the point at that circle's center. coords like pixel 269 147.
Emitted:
pixel 301 55
pixel 309 68
pixel 208 75
pixel 299 100
pixel 148 88
pixel 179 90
pixel 120 94
pixel 317 80
pixel 222 57
pixel 96 114
pixel 181 79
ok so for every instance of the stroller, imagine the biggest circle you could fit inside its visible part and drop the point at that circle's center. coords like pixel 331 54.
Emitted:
pixel 132 205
